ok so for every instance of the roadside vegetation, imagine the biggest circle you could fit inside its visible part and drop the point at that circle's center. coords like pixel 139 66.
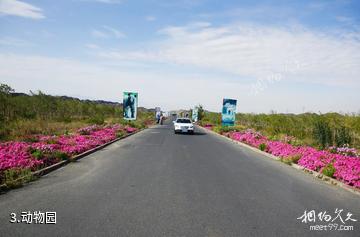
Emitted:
pixel 317 130
pixel 39 130
pixel 23 115
pixel 326 143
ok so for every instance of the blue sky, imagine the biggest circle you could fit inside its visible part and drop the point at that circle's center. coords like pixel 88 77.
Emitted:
pixel 287 56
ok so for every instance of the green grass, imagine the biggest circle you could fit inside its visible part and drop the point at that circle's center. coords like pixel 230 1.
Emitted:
pixel 318 130
pixel 262 146
pixel 24 115
pixel 329 170
pixel 16 177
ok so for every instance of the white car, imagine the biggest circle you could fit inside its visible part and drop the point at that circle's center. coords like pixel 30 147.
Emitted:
pixel 184 125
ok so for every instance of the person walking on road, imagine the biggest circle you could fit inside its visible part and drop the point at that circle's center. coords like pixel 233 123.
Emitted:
pixel 161 119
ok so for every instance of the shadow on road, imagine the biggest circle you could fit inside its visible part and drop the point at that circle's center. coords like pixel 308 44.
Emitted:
pixel 194 134
pixel 160 127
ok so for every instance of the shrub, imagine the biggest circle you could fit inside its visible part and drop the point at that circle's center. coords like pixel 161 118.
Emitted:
pixel 120 134
pixel 225 129
pixel 61 155
pixel 134 124
pixel 329 170
pixel 201 112
pixel 342 136
pixel 294 159
pixel 16 177
pixel 286 161
pixel 322 133
pixel 262 146
pixel 98 119
pixel 37 154
pixel 65 119
pixel 30 139
pixel 51 141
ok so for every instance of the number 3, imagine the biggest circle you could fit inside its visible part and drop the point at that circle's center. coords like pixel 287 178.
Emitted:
pixel 13 217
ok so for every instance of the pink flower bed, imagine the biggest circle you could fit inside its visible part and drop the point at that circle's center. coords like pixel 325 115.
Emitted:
pixel 21 154
pixel 16 154
pixel 347 167
pixel 130 129
pixel 208 126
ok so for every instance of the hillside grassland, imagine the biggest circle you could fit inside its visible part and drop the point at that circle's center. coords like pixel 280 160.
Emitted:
pixel 25 115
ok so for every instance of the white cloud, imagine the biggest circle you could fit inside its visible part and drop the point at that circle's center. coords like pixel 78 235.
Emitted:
pixel 99 34
pixel 254 51
pixel 10 41
pixel 107 32
pixel 104 1
pixel 150 18
pixel 92 46
pixel 116 33
pixel 19 8
pixel 109 1
pixel 59 76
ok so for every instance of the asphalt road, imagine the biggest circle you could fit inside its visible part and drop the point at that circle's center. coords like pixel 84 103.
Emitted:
pixel 156 183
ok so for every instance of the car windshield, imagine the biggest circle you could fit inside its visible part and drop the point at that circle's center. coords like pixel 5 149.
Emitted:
pixel 183 121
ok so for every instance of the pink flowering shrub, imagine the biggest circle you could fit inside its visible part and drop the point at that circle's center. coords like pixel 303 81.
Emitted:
pixel 46 150
pixel 345 150
pixel 16 154
pixel 130 129
pixel 346 161
pixel 208 126
pixel 87 130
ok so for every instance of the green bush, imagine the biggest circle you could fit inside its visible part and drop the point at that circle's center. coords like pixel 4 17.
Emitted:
pixel 262 146
pixel 30 139
pixel 329 170
pixel 16 177
pixel 37 154
pixel 51 141
pixel 134 123
pixel 322 133
pixel 291 159
pixel 61 155
pixel 223 129
pixel 295 158
pixel 312 129
pixel 286 161
pixel 65 119
pixel 342 136
pixel 120 134
pixel 98 119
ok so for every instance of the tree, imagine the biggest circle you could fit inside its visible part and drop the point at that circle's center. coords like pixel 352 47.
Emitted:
pixel 322 133
pixel 342 136
pixel 5 89
pixel 5 106
pixel 201 112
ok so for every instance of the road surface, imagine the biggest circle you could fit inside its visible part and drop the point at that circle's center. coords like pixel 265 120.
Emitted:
pixel 156 183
